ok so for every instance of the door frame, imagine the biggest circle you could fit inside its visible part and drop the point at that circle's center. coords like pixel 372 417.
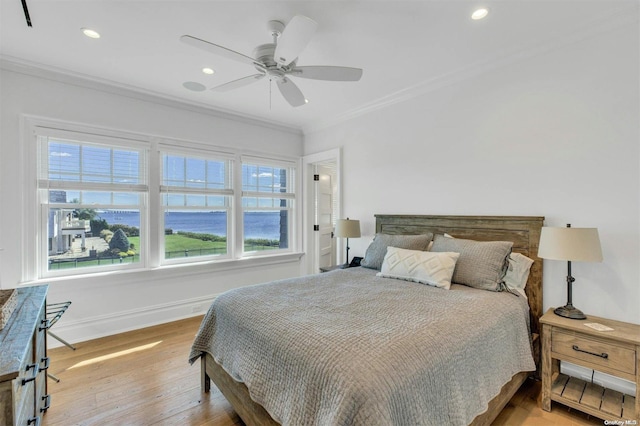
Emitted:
pixel 308 200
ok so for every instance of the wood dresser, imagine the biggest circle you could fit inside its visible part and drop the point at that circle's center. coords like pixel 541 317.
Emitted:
pixel 615 352
pixel 23 360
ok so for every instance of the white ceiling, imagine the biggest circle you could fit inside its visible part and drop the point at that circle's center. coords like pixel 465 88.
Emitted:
pixel 403 46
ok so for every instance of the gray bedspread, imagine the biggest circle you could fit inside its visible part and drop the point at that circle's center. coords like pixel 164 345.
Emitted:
pixel 349 348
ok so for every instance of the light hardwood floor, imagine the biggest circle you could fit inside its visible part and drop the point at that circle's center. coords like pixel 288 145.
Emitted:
pixel 143 378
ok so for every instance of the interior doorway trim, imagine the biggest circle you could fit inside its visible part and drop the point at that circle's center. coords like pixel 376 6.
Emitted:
pixel 308 197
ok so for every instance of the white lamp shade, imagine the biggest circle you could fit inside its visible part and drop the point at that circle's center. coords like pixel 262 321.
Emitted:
pixel 571 244
pixel 347 228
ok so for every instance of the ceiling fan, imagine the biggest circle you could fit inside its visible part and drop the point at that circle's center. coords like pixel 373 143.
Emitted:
pixel 278 60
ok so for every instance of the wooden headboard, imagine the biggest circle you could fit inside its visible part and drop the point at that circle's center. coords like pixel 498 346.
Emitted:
pixel 524 231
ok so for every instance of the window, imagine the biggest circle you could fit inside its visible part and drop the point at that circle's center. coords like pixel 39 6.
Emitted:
pixel 92 197
pixel 111 200
pixel 196 197
pixel 267 205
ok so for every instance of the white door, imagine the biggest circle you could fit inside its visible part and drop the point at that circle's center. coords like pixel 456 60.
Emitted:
pixel 325 217
pixel 321 199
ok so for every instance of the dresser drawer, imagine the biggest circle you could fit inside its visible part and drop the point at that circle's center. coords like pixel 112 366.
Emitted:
pixel 24 388
pixel 42 400
pixel 26 403
pixel 22 383
pixel 598 352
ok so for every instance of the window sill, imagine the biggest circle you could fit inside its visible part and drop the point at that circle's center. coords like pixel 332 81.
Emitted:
pixel 180 270
pixel 229 264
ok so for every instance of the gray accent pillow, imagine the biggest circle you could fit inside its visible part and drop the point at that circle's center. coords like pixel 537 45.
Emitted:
pixel 482 264
pixel 374 256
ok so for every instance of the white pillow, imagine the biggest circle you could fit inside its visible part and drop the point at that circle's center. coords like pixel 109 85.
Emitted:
pixel 423 267
pixel 518 272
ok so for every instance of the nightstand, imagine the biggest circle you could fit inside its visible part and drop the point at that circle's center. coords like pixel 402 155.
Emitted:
pixel 615 352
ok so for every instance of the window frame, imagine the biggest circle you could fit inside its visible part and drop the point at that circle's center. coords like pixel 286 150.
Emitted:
pixel 34 221
pixel 203 154
pixel 292 197
pixel 43 135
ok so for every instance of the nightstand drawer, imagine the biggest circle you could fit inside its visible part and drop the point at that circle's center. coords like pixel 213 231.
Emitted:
pixel 598 352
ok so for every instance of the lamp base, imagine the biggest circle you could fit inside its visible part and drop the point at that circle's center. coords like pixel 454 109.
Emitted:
pixel 570 312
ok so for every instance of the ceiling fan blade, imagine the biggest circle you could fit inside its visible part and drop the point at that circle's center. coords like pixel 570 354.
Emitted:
pixel 217 50
pixel 322 72
pixel 294 38
pixel 238 83
pixel 291 93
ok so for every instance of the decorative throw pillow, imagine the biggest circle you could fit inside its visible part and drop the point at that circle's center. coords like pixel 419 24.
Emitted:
pixel 431 242
pixel 518 272
pixel 482 264
pixel 418 266
pixel 378 248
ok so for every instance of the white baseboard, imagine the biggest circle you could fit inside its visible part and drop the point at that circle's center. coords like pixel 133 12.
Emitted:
pixel 602 379
pixel 120 322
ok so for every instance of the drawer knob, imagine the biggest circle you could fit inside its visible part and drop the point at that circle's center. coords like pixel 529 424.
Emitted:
pixel 33 420
pixel 47 403
pixel 46 324
pixel 36 370
pixel 46 361
pixel 601 355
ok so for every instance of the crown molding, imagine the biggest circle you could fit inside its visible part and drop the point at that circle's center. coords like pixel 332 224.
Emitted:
pixel 615 20
pixel 60 75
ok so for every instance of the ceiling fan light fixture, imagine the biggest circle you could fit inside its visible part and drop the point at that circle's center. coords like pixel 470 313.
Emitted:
pixel 276 61
pixel 208 71
pixel 479 13
pixel 90 33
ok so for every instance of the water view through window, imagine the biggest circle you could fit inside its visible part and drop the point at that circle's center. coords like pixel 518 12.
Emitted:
pixel 187 234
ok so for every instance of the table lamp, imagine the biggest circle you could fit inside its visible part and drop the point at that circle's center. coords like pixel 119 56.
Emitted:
pixel 570 244
pixel 347 228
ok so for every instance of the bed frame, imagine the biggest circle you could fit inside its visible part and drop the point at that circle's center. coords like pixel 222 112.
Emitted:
pixel 524 231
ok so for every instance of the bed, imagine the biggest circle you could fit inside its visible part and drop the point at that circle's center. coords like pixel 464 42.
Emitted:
pixel 372 339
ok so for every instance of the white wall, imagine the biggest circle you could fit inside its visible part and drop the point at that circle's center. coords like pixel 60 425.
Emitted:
pixel 111 303
pixel 554 135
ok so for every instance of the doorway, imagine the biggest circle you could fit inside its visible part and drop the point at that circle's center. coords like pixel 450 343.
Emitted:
pixel 325 215
pixel 322 178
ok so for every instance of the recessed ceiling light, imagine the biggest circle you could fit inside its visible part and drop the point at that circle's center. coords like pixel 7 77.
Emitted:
pixel 208 71
pixel 306 101
pixel 90 33
pixel 479 14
